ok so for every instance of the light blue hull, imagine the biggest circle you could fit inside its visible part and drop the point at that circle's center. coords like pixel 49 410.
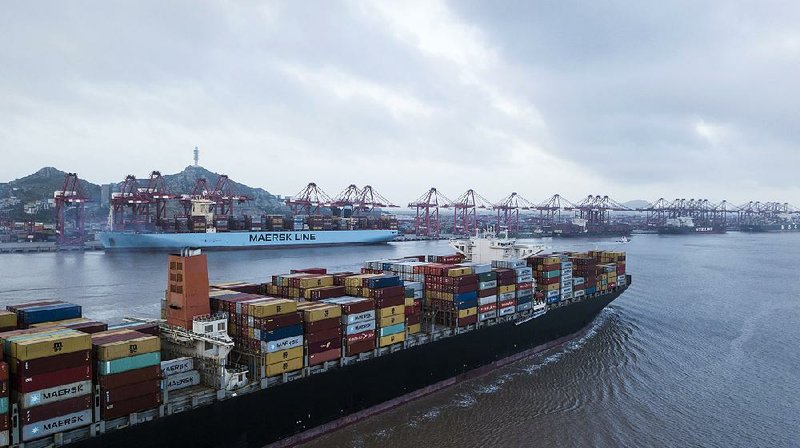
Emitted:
pixel 241 240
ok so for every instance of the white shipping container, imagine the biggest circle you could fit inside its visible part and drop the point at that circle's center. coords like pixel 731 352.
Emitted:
pixel 182 380
pixel 524 271
pixel 579 293
pixel 359 317
pixel 524 306
pixel 416 286
pixel 180 365
pixel 4 438
pixel 508 264
pixel 283 344
pixel 524 279
pixel 487 285
pixel 506 296
pixel 54 394
pixel 578 280
pixel 553 293
pixel 621 279
pixel 507 310
pixel 56 424
pixel 487 300
pixel 566 264
pixel 487 315
pixel 359 327
pixel 566 295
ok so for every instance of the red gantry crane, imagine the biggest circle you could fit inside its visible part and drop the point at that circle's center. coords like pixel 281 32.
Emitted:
pixel 465 212
pixel 157 195
pixel 508 212
pixel 70 199
pixel 308 201
pixel 131 200
pixel 427 221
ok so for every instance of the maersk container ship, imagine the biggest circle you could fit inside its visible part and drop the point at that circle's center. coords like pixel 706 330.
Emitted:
pixel 205 231
pixel 241 240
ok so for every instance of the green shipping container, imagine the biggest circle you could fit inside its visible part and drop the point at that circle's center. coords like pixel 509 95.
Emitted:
pixel 551 274
pixel 487 276
pixel 129 363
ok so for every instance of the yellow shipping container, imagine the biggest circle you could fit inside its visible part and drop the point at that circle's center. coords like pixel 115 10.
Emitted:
pixel 392 310
pixel 467 312
pixel 506 288
pixel 551 287
pixel 391 339
pixel 393 319
pixel 132 347
pixel 409 301
pixel 60 322
pixel 458 272
pixel 272 307
pixel 414 328
pixel 322 312
pixel 312 282
pixel 8 319
pixel 35 348
pixel 284 366
pixel 284 355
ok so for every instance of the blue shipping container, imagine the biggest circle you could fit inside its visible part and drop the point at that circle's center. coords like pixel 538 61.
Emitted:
pixel 282 333
pixel 465 296
pixel 384 282
pixel 393 329
pixel 49 313
pixel 591 290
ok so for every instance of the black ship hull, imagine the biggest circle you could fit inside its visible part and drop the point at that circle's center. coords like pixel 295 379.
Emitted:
pixel 765 228
pixel 300 410
pixel 699 230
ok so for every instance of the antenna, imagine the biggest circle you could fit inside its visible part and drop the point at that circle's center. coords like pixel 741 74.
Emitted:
pixel 196 156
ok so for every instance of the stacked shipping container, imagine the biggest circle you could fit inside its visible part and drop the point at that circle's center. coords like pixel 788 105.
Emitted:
pixel 128 371
pixel 322 332
pixel 358 323
pixel 51 379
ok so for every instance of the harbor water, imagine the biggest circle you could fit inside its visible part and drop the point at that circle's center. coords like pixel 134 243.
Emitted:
pixel 702 350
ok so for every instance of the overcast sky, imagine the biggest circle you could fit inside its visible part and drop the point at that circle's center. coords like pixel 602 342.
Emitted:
pixel 637 100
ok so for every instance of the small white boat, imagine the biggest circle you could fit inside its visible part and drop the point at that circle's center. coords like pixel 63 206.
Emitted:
pixel 624 239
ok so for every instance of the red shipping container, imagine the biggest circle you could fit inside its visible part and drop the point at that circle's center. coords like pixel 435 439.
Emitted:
pixel 548 281
pixel 124 393
pixel 413 319
pixel 360 347
pixel 4 422
pixel 283 320
pixel 324 346
pixel 53 410
pixel 327 292
pixel 486 308
pixel 390 291
pixel 52 363
pixel 324 324
pixel 3 371
pixel 524 285
pixel 89 327
pixel 53 379
pixel 101 338
pixel 468 320
pixel 358 307
pixel 130 406
pixel 130 377
pixel 390 301
pixel 317 271
pixel 487 292
pixel 324 335
pixel 330 355
pixel 414 309
pixel 4 389
pixel 368 335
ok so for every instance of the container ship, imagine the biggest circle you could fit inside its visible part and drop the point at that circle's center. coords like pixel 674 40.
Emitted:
pixel 281 362
pixel 774 227
pixel 687 226
pixel 202 229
